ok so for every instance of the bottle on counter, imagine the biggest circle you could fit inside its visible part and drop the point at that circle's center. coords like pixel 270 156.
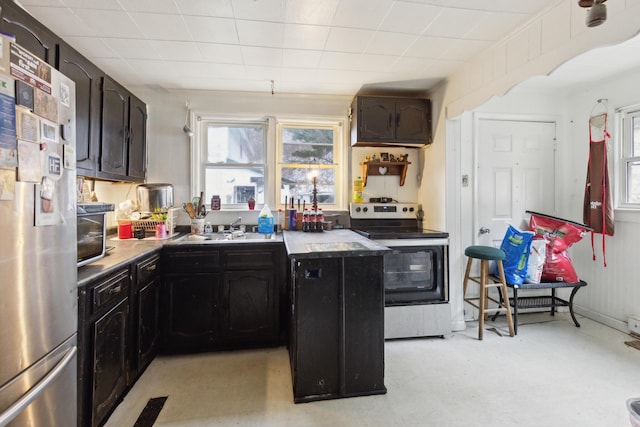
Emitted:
pixel 312 220
pixel 358 188
pixel 319 220
pixel 305 220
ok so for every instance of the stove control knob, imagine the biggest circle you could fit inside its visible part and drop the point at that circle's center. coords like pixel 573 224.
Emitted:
pixel 404 209
pixel 358 209
pixel 411 209
pixel 365 209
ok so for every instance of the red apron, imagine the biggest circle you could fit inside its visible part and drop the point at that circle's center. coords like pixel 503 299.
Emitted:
pixel 598 205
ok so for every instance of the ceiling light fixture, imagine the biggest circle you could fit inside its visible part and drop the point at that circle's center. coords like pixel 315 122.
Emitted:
pixel 186 129
pixel 597 13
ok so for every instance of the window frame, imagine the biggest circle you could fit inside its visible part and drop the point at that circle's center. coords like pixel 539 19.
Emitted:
pixel 272 154
pixel 339 164
pixel 624 157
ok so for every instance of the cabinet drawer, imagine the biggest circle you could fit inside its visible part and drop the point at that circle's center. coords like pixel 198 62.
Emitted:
pixel 148 269
pixel 114 289
pixel 250 258
pixel 191 261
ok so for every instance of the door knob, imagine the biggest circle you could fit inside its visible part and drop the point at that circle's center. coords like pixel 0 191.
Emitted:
pixel 484 230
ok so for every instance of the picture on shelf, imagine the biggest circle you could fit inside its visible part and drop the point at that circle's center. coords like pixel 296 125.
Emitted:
pixel 384 157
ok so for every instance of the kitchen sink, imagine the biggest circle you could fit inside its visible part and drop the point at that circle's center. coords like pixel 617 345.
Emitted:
pixel 236 236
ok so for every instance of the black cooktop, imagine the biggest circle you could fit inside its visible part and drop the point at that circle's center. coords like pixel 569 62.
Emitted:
pixel 400 233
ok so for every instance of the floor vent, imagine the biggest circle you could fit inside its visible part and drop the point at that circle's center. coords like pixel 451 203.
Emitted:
pixel 150 413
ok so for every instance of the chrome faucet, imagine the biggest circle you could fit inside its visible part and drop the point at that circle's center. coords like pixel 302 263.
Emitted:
pixel 234 223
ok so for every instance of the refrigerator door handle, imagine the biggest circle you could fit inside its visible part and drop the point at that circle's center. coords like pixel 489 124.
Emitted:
pixel 19 405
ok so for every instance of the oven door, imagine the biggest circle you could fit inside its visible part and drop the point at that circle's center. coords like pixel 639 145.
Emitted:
pixel 415 273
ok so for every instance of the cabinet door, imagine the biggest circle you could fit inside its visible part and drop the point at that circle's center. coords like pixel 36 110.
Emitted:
pixel 109 360
pixel 413 117
pixel 376 119
pixel 147 322
pixel 115 120
pixel 189 302
pixel 87 78
pixel 249 309
pixel 364 324
pixel 137 138
pixel 317 327
pixel 29 33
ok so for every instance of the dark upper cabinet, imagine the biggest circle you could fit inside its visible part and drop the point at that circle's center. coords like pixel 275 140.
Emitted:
pixel 123 140
pixel 29 33
pixel 115 130
pixel 386 121
pixel 137 138
pixel 87 78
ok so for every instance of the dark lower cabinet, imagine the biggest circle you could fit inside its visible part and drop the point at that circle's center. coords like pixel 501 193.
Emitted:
pixel 249 308
pixel 336 343
pixel 109 361
pixel 103 336
pixel 189 315
pixel 221 297
pixel 145 314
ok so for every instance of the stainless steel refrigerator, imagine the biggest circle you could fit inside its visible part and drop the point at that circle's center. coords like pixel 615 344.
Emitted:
pixel 38 272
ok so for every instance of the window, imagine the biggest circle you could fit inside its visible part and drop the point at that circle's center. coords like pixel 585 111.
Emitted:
pixel 309 152
pixel 233 162
pixel 268 160
pixel 629 158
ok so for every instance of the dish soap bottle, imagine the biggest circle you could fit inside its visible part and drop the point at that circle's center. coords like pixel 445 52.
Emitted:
pixel 265 222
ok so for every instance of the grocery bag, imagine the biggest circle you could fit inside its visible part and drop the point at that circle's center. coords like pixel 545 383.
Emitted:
pixel 515 246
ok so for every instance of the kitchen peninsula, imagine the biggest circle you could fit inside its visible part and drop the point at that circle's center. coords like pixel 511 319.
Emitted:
pixel 336 339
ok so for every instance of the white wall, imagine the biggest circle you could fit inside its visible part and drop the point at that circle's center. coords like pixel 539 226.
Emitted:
pixel 613 292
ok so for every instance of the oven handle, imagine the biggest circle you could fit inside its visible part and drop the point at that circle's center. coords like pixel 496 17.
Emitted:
pixel 396 243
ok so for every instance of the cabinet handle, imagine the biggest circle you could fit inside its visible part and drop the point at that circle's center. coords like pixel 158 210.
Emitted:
pixel 115 289
pixel 398 121
pixel 131 134
pixel 390 120
pixel 152 267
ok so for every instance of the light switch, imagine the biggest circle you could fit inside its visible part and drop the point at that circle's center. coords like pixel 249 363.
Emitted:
pixel 465 180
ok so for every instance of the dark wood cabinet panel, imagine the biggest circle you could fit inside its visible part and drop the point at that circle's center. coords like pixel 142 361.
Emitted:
pixel 249 307
pixel 137 167
pixel 189 311
pixel 413 120
pixel 109 361
pixel 103 349
pixel 377 118
pixel 389 121
pixel 29 33
pixel 147 322
pixel 336 346
pixel 115 130
pixel 317 326
pixel 88 98
pixel 145 314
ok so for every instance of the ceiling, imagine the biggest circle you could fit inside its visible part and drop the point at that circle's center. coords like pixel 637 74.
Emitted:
pixel 338 47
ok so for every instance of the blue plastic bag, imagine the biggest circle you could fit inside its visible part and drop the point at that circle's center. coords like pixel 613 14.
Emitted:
pixel 515 245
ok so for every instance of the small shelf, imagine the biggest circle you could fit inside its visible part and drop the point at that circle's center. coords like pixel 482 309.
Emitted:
pixel 385 168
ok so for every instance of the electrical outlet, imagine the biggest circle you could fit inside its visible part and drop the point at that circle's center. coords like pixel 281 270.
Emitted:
pixel 634 324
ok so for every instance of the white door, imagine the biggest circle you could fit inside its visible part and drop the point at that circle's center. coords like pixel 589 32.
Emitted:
pixel 515 173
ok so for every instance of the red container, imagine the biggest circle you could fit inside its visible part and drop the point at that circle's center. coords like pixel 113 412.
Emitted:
pixel 125 231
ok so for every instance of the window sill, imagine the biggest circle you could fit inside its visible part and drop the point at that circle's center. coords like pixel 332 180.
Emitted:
pixel 627 215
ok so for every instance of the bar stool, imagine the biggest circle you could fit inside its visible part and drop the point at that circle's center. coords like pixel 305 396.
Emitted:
pixel 486 254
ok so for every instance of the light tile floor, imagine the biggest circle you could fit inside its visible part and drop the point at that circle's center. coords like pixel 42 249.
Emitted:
pixel 550 374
